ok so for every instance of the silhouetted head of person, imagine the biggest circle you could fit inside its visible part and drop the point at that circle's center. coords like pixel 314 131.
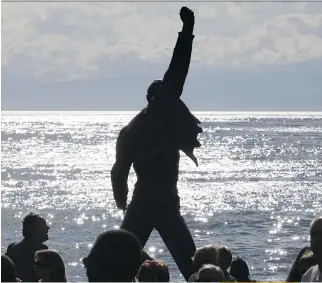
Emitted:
pixel 225 257
pixel 306 262
pixel 8 270
pixel 114 257
pixel 210 273
pixel 295 274
pixel 49 266
pixel 153 89
pixel 239 270
pixel 205 255
pixel 316 239
pixel 154 271
pixel 34 227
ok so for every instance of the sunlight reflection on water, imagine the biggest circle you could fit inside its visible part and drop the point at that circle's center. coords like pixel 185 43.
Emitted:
pixel 258 185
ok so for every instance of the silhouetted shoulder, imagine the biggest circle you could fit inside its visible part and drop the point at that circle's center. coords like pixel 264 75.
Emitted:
pixel 11 245
pixel 121 139
pixel 137 119
pixel 23 246
pixel 138 126
pixel 10 248
pixel 43 247
pixel 14 251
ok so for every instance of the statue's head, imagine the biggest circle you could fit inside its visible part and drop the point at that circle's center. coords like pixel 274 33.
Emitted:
pixel 153 89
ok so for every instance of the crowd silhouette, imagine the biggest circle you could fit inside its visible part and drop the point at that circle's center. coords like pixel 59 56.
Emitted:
pixel 117 256
pixel 151 143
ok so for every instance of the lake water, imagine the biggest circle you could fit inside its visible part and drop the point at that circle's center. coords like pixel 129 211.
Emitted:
pixel 257 187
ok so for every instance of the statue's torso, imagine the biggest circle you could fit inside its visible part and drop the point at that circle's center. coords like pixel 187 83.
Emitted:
pixel 155 157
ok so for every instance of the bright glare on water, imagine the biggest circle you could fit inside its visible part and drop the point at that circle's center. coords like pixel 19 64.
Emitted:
pixel 257 187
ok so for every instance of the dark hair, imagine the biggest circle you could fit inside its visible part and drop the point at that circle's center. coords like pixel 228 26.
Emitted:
pixel 154 271
pixel 28 224
pixel 317 219
pixel 205 255
pixel 239 270
pixel 215 274
pixel 154 86
pixel 115 256
pixel 55 262
pixel 225 252
pixel 8 270
pixel 295 272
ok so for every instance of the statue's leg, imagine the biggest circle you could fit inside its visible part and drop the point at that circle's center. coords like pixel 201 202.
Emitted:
pixel 176 236
pixel 138 220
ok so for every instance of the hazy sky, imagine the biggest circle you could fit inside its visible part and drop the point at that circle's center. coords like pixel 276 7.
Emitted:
pixel 103 56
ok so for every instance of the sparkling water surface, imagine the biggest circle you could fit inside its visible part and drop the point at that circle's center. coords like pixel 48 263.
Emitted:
pixel 257 187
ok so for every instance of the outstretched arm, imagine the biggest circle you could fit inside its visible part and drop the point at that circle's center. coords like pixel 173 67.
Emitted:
pixel 120 171
pixel 175 76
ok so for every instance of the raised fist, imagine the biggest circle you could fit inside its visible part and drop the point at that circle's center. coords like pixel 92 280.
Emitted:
pixel 187 16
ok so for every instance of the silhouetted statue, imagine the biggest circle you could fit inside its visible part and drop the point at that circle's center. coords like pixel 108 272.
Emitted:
pixel 151 142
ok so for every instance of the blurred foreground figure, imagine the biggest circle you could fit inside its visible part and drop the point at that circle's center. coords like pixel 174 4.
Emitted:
pixel 114 257
pixel 8 270
pixel 314 274
pixel 240 271
pixel 49 266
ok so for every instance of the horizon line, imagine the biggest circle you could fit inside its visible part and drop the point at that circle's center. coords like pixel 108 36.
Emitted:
pixel 124 112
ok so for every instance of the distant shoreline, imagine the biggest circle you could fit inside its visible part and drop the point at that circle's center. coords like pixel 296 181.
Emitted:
pixel 269 113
